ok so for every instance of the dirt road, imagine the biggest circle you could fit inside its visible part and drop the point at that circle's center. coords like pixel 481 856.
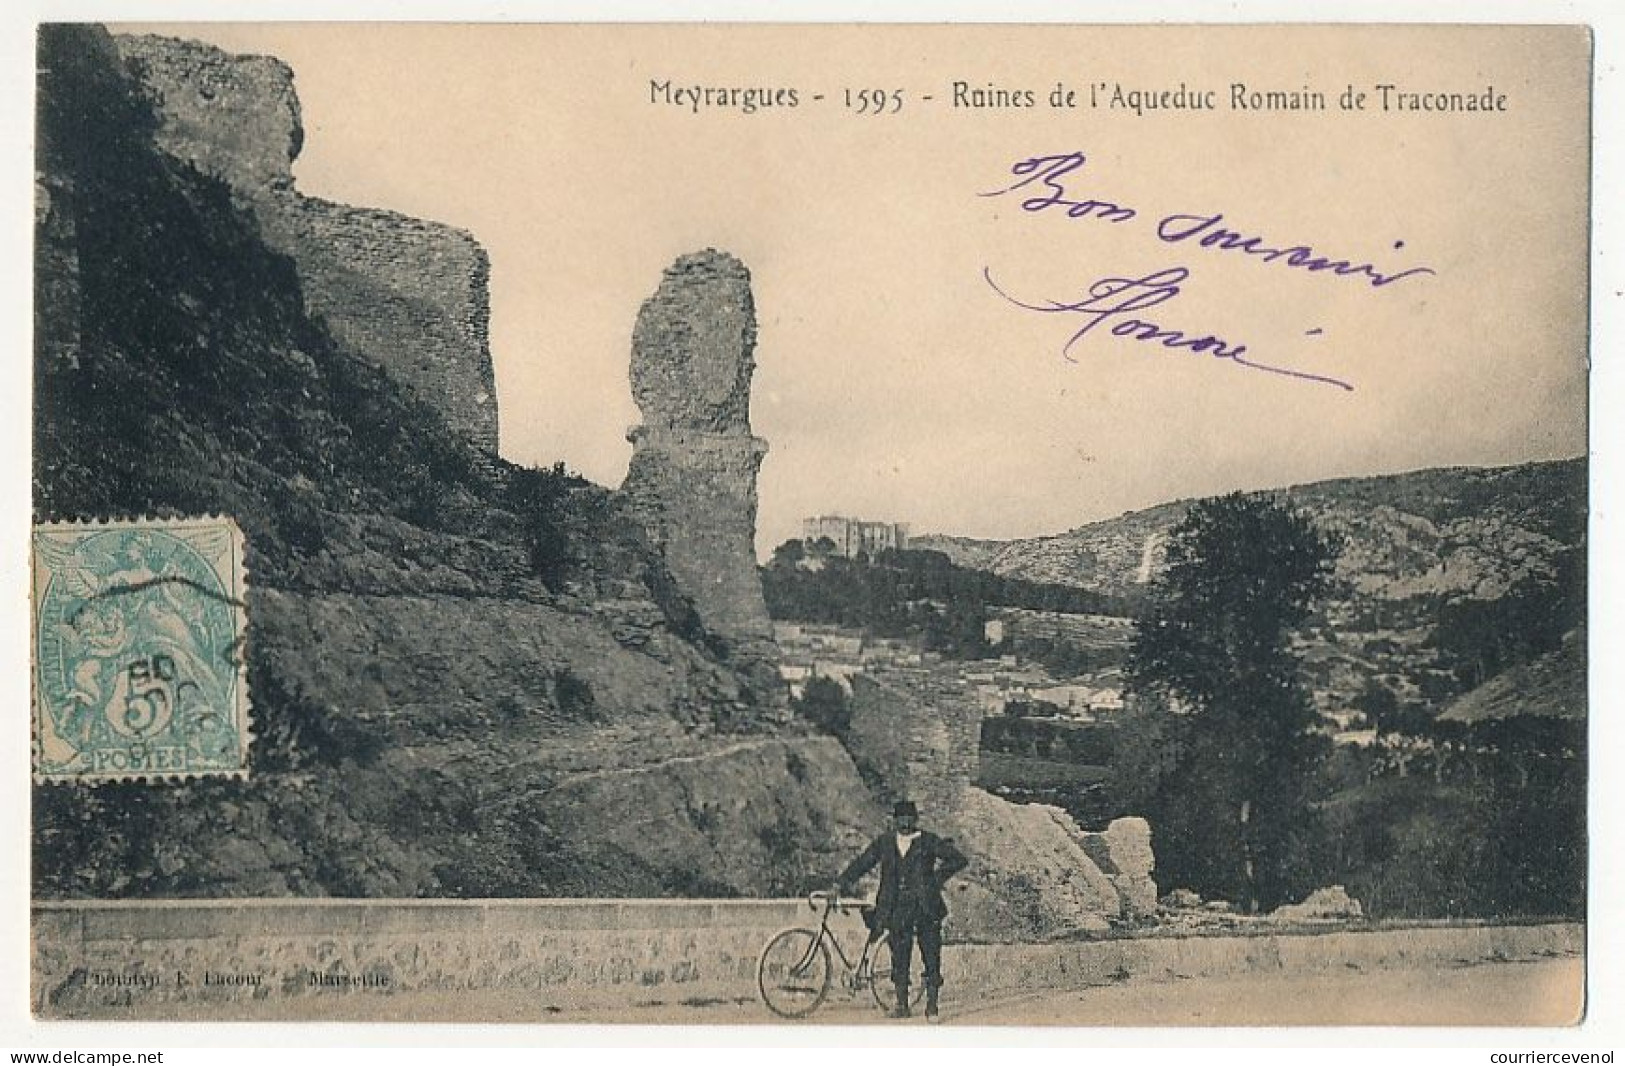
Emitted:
pixel 1544 992
pixel 1548 992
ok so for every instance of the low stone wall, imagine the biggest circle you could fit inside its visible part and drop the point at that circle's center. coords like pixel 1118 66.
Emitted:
pixel 532 960
pixel 225 959
pixel 994 969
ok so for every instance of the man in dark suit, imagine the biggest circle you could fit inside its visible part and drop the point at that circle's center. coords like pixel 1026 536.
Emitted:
pixel 913 867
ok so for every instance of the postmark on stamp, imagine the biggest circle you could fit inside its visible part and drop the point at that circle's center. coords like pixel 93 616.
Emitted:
pixel 139 665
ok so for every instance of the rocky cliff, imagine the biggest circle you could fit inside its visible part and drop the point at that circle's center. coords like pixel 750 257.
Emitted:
pixel 468 679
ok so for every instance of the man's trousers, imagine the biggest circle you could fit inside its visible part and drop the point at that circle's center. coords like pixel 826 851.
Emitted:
pixel 901 941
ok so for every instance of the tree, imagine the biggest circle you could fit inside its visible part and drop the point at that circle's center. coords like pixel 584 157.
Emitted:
pixel 1233 810
pixel 1480 638
pixel 960 631
pixel 1379 705
pixel 541 500
pixel 824 703
pixel 790 553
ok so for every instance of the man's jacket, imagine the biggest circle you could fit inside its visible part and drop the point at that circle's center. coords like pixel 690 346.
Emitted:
pixel 911 885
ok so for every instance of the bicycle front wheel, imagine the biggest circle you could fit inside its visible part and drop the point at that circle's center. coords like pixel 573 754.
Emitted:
pixel 793 974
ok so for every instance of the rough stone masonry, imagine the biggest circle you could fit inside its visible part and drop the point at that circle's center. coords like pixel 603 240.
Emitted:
pixel 1034 872
pixel 405 294
pixel 692 479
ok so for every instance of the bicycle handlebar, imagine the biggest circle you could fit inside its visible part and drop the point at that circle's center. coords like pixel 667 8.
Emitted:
pixel 833 901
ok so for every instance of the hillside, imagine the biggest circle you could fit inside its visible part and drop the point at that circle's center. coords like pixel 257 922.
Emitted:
pixel 467 679
pixel 1550 685
pixel 1452 531
pixel 1109 556
pixel 1445 571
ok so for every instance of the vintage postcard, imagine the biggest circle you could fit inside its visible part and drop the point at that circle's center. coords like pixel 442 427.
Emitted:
pixel 791 524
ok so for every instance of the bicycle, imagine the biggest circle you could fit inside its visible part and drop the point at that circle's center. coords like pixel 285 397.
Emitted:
pixel 794 972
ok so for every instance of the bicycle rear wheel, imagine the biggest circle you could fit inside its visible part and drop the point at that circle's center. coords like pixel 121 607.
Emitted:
pixel 880 982
pixel 793 974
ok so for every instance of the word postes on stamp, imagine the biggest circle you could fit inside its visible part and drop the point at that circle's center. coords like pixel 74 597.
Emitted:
pixel 139 666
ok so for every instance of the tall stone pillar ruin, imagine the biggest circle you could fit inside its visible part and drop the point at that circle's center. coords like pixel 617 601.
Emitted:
pixel 692 479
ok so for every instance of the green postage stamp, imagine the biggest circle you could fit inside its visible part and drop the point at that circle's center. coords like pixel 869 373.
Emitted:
pixel 139 665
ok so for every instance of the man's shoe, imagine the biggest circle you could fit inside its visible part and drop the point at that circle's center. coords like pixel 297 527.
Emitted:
pixel 900 1011
pixel 932 1015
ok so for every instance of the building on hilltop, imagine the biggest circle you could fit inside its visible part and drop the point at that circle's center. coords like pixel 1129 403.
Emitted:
pixel 853 535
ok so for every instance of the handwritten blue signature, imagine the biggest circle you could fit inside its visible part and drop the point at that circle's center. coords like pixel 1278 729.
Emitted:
pixel 1204 230
pixel 1048 170
pixel 1113 300
pixel 1048 184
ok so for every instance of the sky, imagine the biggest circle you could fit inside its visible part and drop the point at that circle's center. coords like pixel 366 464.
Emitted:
pixel 898 378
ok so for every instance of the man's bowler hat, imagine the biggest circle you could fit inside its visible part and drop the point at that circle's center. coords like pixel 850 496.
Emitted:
pixel 905 809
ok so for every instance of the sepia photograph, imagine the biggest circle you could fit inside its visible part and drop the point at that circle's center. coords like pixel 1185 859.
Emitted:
pixel 810 524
